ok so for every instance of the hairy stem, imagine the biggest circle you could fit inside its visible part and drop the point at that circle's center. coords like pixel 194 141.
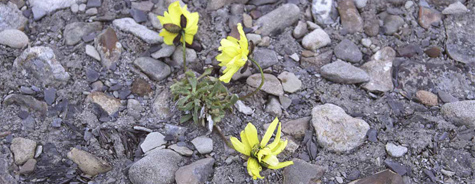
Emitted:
pixel 262 80
pixel 222 136
pixel 184 50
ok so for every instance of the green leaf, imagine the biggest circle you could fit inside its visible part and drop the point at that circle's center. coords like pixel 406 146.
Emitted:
pixel 185 118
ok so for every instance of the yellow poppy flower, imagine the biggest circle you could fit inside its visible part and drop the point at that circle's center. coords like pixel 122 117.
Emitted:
pixel 233 54
pixel 260 153
pixel 173 18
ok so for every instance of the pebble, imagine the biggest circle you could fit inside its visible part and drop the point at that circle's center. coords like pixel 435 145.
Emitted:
pixel 296 128
pixel 13 38
pixel 300 30
pixel 379 69
pixel 155 69
pixel 88 163
pixel 316 39
pixel 366 42
pixel 396 167
pixel 392 23
pixel 295 57
pixel 182 150
pixel 241 107
pixel 395 151
pixel 427 98
pixel 38 13
pixel 302 172
pixel 265 57
pixel 15 18
pixel 145 6
pixel 134 108
pixel 109 104
pixel 351 20
pixel 49 6
pixel 271 85
pixel 129 25
pixel 343 72
pixel 290 82
pixel 178 56
pixel 460 112
pixel 73 32
pixel 109 47
pixel 153 168
pixel 408 5
pixel 373 135
pixel 273 107
pixel 94 3
pixel 82 7
pixel 312 26
pixel 153 140
pixel 26 101
pixel 23 149
pixel 91 51
pixel 247 20
pixel 50 95
pixel 27 90
pixel 74 8
pixel 154 20
pixel 409 50
pixel 433 52
pixel 360 3
pixel 278 19
pixel 160 106
pixel 428 16
pixel 285 102
pixel 255 38
pixel 316 62
pixel 138 15
pixel 195 173
pixel 348 51
pixel 28 167
pixel 92 75
pixel 446 97
pixel 204 145
pixel 339 179
pixel 455 8
pixel 56 123
pixel 386 176
pixel 91 11
pixel 141 87
pixel 336 130
pixel 323 11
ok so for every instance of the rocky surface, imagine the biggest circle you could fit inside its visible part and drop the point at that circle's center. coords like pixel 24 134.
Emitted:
pixel 71 81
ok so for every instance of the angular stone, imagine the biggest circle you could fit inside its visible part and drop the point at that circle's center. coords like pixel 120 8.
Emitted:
pixel 379 70
pixel 392 23
pixel 446 97
pixel 297 127
pixel 109 104
pixel 271 85
pixel 396 167
pixel 182 150
pixel 324 11
pixel 336 130
pixel 273 107
pixel 42 63
pixel 427 98
pixel 155 69
pixel 160 105
pixel 26 101
pixel 460 113
pixel 91 51
pixel 178 56
pixel 386 177
pixel 316 39
pixel 109 47
pixel 88 163
pixel 141 87
pixel 38 13
pixel 395 151
pixel 460 34
pixel 265 57
pixel 51 5
pixel 22 149
pixel 241 107
pixel 158 167
pixel 129 25
pixel 74 31
pixel 13 38
pixel 455 8
pixel 93 3
pixel 50 95
pixel 342 72
pixel 145 6
pixel 195 173
pixel 11 17
pixel 28 167
pixel 154 20
pixel 300 30
pixel 138 15
pixel 302 172
pixel 350 18
pixel 348 51
pixel 153 140
pixel 428 16
pixel 290 82
pixel 164 52
pixel 204 145
pixel 278 19
pixel 318 61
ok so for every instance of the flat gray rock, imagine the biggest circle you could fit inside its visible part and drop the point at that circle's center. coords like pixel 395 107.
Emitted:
pixel 74 31
pixel 271 85
pixel 343 72
pixel 460 113
pixel 203 144
pixel 460 44
pixel 265 57
pixel 155 69
pixel 348 51
pixel 153 140
pixel 22 149
pixel 195 173
pixel 379 69
pixel 158 167
pixel 129 25
pixel 13 38
pixel 302 172
pixel 278 19
pixel 11 17
pixel 51 5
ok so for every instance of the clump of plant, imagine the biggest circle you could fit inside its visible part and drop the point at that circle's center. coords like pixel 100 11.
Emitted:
pixel 202 98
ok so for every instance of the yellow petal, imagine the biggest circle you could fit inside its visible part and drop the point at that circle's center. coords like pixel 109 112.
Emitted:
pixel 247 147
pixel 191 22
pixel 263 152
pixel 188 38
pixel 253 168
pixel 281 165
pixel 243 40
pixel 229 74
pixel 251 134
pixel 280 147
pixel 238 146
pixel 269 132
pixel 167 36
pixel 175 13
pixel 271 160
pixel 164 19
pixel 277 137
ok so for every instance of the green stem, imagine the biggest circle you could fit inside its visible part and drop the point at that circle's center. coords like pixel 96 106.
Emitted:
pixel 223 137
pixel 184 50
pixel 262 81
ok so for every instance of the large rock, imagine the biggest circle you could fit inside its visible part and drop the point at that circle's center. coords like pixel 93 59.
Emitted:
pixel 386 177
pixel 13 38
pixel 290 82
pixel 11 17
pixel 351 20
pixel 107 103
pixel 296 128
pixel 164 52
pixel 271 85
pixel 88 163
pixel 74 31
pixel 51 5
pixel 379 69
pixel 278 19
pixel 428 16
pixel 155 69
pixel 26 101
pixel 302 172
pixel 195 173
pixel 129 25
pixel 22 149
pixel 158 167
pixel 153 140
pixel 265 57
pixel 460 34
pixel 41 62
pixel 336 130
pixel 460 112
pixel 343 72
pixel 316 39
pixel 109 47
pixel 348 51
pixel 455 8
pixel 161 106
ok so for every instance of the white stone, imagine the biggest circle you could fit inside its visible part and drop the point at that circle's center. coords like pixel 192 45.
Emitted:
pixel 13 38
pixel 241 107
pixel 395 151
pixel 82 7
pixel 254 38
pixel 204 145
pixel 91 11
pixel 316 39
pixel 290 82
pixel 74 8
pixel 360 3
pixel 22 149
pixel 366 42
pixel 455 8
pixel 91 51
pixel 153 140
pixel 295 57
pixel 408 4
pixel 129 25
pixel 51 5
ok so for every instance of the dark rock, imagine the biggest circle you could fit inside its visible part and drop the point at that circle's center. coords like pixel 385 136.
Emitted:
pixel 409 50
pixel 92 75
pixel 384 177
pixel 446 97
pixel 460 34
pixel 348 51
pixel 109 48
pixel 353 175
pixel 89 37
pixel 433 52
pixel 50 95
pixel 396 167
pixel 372 135
pixel 141 87
pixel 430 174
pixel 138 15
pixel 155 69
pixel 302 172
pixel 392 23
pixel 265 57
pixel 93 3
pixel 123 94
pixel 23 114
pixel 26 101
